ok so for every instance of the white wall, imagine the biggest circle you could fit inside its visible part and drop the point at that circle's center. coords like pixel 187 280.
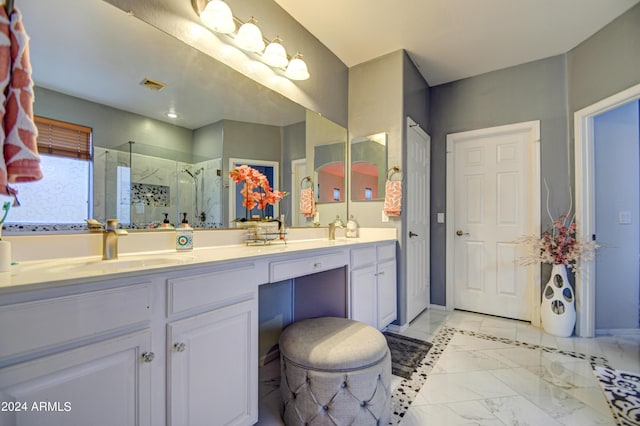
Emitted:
pixel 617 153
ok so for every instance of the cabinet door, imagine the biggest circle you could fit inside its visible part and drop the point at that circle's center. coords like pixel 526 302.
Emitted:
pixel 213 367
pixel 364 295
pixel 387 293
pixel 102 384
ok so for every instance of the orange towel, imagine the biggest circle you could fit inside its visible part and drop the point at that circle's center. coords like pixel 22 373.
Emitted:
pixel 393 198
pixel 5 67
pixel 307 202
pixel 20 145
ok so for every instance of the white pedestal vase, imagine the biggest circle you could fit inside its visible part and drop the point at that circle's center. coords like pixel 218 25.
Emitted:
pixel 558 310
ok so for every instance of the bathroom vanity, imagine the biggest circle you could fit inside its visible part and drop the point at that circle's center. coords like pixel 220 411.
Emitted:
pixel 169 338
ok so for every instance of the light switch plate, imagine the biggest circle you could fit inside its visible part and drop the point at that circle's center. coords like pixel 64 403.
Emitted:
pixel 385 216
pixel 624 218
pixel 440 218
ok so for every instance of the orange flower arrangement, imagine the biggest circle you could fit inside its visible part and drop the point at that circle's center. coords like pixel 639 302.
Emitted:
pixel 256 189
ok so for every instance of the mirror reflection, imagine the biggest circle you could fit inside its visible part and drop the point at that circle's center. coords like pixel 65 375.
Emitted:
pixel 120 77
pixel 368 167
pixel 326 153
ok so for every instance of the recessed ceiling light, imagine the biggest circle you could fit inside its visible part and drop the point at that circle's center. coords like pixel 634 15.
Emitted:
pixel 172 114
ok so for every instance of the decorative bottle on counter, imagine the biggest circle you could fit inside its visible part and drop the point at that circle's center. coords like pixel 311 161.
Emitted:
pixel 352 228
pixel 184 237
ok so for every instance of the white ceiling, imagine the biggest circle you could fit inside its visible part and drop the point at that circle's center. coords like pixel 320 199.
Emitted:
pixel 453 39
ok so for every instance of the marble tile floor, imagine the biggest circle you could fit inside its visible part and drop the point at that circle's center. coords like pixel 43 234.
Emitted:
pixel 493 371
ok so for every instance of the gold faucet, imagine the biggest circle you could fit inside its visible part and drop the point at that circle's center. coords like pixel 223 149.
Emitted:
pixel 337 223
pixel 110 236
pixel 110 239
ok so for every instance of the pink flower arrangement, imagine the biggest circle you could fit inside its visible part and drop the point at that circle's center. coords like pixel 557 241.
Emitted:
pixel 558 245
pixel 256 189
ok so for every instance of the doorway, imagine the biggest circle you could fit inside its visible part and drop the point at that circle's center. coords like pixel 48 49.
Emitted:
pixel 493 197
pixel 586 193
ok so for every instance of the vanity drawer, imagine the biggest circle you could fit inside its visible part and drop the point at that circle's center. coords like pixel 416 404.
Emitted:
pixel 287 269
pixel 362 257
pixel 386 252
pixel 216 288
pixel 48 323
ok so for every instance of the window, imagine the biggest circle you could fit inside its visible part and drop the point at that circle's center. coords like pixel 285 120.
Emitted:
pixel 65 160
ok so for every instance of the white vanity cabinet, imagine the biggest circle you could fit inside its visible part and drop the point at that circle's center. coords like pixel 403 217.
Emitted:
pixel 373 284
pixel 169 346
pixel 71 361
pixel 212 358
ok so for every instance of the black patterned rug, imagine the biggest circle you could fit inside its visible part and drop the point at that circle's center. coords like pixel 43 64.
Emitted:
pixel 406 353
pixel 623 393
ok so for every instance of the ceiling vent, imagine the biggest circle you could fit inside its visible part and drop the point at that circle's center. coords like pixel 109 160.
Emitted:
pixel 153 84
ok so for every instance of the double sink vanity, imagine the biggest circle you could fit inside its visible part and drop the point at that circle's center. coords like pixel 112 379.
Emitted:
pixel 171 338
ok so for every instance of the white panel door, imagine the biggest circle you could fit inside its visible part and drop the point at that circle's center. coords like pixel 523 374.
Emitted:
pixel 492 209
pixel 417 202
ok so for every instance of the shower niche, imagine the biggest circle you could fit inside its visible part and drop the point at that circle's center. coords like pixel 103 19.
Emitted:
pixel 145 187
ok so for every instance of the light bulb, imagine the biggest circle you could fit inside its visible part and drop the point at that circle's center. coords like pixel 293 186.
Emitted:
pixel 249 37
pixel 275 55
pixel 217 16
pixel 297 69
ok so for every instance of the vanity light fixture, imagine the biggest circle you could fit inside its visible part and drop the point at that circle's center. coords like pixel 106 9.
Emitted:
pixel 217 16
pixel 249 37
pixel 275 55
pixel 297 69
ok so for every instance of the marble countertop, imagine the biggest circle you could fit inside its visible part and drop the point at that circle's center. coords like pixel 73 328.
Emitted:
pixel 39 274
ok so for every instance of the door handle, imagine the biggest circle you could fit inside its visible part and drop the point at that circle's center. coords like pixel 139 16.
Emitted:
pixel 412 234
pixel 459 233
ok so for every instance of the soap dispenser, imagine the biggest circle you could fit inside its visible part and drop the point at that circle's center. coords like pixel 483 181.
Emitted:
pixel 184 235
pixel 352 228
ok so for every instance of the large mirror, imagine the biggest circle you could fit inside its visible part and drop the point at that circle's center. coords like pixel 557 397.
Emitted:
pixel 368 167
pixel 100 68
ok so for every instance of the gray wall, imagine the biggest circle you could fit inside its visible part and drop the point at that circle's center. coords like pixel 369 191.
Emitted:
pixel 532 91
pixel 325 92
pixel 382 93
pixel 549 90
pixel 111 127
pixel 293 148
pixel 617 157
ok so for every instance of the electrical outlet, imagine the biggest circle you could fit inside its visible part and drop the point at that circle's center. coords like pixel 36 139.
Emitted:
pixel 385 216
pixel 440 218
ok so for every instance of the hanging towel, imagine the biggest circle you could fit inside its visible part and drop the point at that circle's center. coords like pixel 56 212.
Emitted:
pixel 307 202
pixel 393 198
pixel 20 144
pixel 5 67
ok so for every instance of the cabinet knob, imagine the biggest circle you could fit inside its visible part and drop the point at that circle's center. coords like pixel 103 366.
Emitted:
pixel 180 347
pixel 148 356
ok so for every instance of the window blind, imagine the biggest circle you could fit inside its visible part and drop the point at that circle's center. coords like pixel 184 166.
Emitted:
pixel 63 139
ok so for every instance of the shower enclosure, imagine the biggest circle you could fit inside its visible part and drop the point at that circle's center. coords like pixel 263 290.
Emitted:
pixel 141 185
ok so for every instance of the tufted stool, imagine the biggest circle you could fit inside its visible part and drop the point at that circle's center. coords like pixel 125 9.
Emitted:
pixel 334 371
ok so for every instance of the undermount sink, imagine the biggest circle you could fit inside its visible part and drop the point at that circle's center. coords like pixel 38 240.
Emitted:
pixel 122 264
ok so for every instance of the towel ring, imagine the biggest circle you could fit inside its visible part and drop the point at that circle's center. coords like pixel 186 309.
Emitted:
pixel 394 170
pixel 306 179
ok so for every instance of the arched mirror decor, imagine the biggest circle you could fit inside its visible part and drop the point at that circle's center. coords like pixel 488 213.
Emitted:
pixel 368 167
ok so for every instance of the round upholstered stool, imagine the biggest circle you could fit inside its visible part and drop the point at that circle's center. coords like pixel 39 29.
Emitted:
pixel 334 371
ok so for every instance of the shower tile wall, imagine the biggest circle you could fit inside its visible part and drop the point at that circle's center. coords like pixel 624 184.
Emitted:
pixel 166 176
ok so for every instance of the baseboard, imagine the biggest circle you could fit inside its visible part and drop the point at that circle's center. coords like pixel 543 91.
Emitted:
pixel 438 307
pixel 272 355
pixel 618 331
pixel 395 328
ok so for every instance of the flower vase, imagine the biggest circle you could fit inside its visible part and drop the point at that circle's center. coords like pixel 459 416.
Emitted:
pixel 558 311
